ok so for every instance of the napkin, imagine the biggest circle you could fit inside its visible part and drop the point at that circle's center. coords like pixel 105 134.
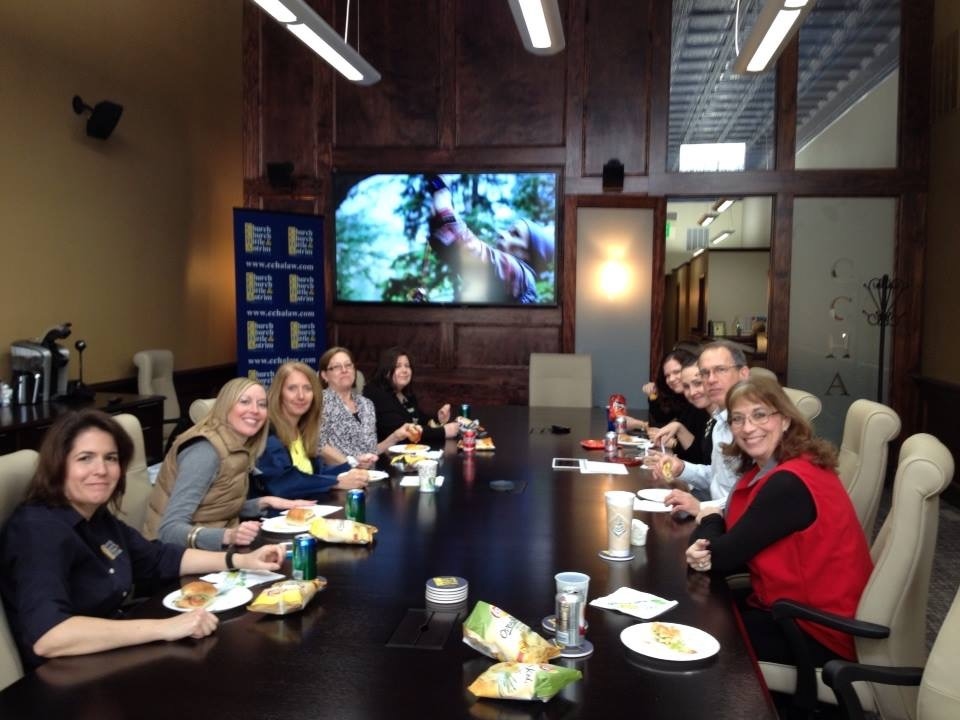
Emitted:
pixel 226 579
pixel 634 602
pixel 592 467
pixel 414 481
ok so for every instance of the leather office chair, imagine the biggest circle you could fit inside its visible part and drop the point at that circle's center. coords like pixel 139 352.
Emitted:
pixel 890 623
pixel 939 691
pixel 360 381
pixel 560 380
pixel 867 431
pixel 16 470
pixel 807 403
pixel 155 377
pixel 133 509
pixel 200 408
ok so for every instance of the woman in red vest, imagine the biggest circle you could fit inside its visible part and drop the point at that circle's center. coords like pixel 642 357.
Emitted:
pixel 789 521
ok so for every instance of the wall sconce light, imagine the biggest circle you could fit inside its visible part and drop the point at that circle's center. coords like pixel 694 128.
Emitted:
pixel 721 237
pixel 706 219
pixel 777 23
pixel 722 204
pixel 614 279
pixel 539 24
pixel 303 21
pixel 104 116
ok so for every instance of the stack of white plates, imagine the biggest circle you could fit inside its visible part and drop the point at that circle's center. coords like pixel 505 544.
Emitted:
pixel 447 590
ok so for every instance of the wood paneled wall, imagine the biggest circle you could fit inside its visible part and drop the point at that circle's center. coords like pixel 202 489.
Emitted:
pixel 458 92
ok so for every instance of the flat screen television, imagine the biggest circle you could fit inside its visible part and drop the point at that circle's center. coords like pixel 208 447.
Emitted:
pixel 453 238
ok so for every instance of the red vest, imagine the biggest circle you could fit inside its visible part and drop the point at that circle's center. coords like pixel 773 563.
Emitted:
pixel 825 566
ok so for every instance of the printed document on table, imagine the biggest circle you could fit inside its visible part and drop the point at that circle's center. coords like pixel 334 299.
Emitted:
pixel 594 467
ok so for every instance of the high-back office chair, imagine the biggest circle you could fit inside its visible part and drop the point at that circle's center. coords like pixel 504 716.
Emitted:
pixel 560 380
pixel 155 377
pixel 133 509
pixel 867 431
pixel 16 470
pixel 199 409
pixel 939 692
pixel 890 623
pixel 807 403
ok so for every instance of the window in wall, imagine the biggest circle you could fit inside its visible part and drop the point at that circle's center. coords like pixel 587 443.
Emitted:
pixel 847 85
pixel 710 106
pixel 839 246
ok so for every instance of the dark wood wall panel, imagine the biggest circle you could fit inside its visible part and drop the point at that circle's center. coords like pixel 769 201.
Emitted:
pixel 617 85
pixel 402 108
pixel 494 346
pixel 505 95
pixel 366 341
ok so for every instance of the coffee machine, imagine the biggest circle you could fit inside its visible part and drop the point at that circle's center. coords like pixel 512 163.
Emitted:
pixel 40 368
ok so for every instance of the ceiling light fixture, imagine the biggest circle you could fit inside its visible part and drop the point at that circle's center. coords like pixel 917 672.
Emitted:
pixel 706 219
pixel 722 204
pixel 776 24
pixel 721 237
pixel 303 21
pixel 539 24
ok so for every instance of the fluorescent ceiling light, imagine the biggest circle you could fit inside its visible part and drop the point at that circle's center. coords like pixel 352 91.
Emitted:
pixel 776 24
pixel 539 24
pixel 698 252
pixel 706 219
pixel 722 204
pixel 721 237
pixel 303 21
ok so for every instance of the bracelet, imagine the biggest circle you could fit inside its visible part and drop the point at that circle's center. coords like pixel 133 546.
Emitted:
pixel 192 537
pixel 229 560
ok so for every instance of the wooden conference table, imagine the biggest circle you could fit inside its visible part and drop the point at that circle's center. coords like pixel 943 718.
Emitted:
pixel 332 660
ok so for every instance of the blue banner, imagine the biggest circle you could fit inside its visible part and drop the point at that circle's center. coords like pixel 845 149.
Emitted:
pixel 280 299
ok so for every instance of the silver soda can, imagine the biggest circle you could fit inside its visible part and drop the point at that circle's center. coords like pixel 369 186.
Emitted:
pixel 621 424
pixel 610 443
pixel 568 619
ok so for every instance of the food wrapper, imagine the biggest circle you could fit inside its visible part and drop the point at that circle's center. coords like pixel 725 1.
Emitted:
pixel 523 681
pixel 499 635
pixel 342 531
pixel 287 596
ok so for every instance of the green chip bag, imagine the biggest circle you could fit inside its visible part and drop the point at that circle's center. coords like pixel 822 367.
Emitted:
pixel 523 681
pixel 501 636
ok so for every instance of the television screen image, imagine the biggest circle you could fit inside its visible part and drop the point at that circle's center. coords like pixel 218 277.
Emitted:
pixel 478 238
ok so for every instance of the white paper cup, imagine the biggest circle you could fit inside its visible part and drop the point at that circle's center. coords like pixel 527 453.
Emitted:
pixel 427 472
pixel 577 582
pixel 619 517
pixel 638 532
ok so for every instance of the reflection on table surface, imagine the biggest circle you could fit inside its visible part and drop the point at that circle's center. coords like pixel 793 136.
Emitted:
pixel 507 539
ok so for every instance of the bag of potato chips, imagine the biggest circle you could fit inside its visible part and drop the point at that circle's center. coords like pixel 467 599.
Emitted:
pixel 342 531
pixel 523 681
pixel 501 636
pixel 287 596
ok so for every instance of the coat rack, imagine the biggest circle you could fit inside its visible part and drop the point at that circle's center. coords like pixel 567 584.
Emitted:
pixel 882 290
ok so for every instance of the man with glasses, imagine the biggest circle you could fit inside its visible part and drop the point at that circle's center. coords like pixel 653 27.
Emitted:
pixel 722 365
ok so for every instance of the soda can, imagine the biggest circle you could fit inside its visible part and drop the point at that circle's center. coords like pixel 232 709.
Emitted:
pixel 304 557
pixel 620 424
pixel 465 410
pixel 568 608
pixel 610 443
pixel 469 440
pixel 356 505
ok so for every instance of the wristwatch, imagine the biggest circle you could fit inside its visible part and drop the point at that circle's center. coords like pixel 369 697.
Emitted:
pixel 352 461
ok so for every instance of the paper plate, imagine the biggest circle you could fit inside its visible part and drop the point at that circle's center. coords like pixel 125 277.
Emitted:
pixel 377 475
pixel 657 495
pixel 234 597
pixel 408 449
pixel 592 444
pixel 696 644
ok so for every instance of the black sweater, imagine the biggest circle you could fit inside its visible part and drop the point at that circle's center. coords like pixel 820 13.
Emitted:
pixel 391 414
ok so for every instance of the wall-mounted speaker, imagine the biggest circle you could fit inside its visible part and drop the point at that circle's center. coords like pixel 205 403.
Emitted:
pixel 280 174
pixel 613 176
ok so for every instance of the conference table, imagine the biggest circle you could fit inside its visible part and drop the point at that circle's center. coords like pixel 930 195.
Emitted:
pixel 505 521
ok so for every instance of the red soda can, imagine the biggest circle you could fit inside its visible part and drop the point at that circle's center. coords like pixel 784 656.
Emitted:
pixel 616 406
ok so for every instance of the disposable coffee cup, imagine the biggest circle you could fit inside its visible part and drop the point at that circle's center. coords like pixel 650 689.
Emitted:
pixel 427 472
pixel 619 517
pixel 577 582
pixel 638 532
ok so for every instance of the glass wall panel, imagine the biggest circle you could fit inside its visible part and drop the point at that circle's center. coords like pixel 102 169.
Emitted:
pixel 847 85
pixel 718 120
pixel 839 246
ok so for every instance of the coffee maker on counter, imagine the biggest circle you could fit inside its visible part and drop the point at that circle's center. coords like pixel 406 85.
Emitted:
pixel 40 368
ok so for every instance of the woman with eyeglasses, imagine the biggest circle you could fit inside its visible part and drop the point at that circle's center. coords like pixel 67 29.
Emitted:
pixel 348 428
pixel 789 520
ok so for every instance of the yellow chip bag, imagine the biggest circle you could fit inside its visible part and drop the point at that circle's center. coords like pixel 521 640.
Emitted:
pixel 287 596
pixel 499 635
pixel 523 681
pixel 342 531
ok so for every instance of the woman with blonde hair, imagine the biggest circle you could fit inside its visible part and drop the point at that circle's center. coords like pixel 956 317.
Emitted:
pixel 789 520
pixel 290 466
pixel 201 491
